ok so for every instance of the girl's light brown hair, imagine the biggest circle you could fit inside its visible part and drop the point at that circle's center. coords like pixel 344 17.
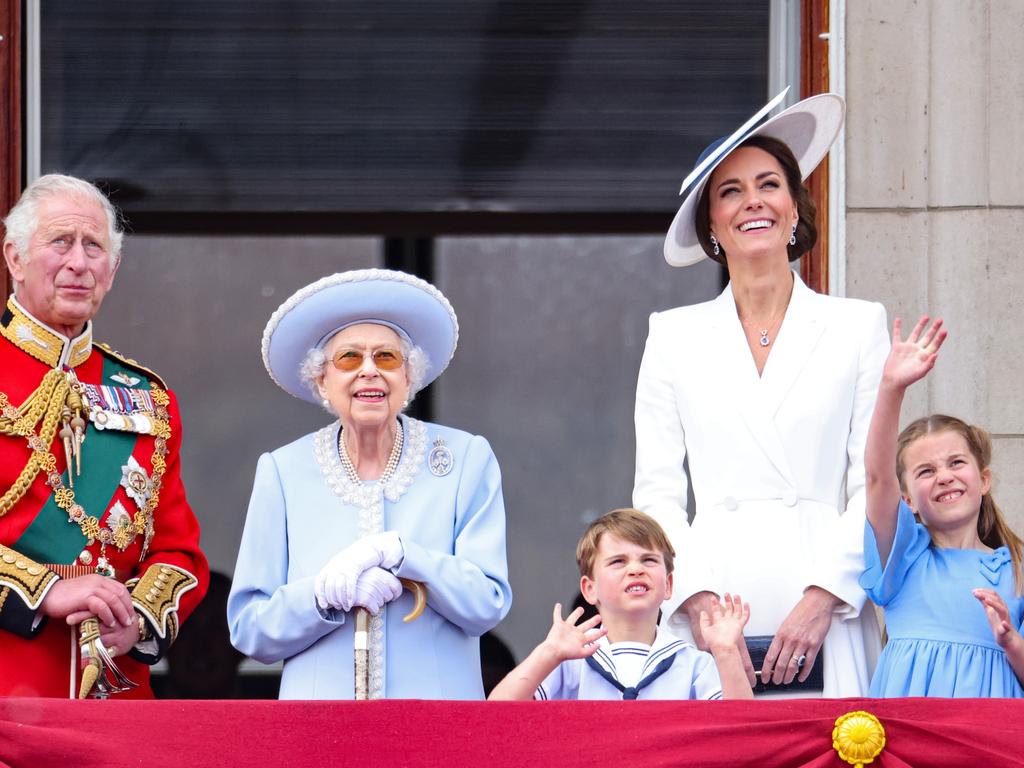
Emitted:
pixel 630 525
pixel 993 529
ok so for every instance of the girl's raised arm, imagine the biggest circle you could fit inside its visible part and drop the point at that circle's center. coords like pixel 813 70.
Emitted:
pixel 908 361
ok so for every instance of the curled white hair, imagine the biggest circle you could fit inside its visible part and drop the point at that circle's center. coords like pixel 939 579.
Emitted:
pixel 313 365
pixel 23 219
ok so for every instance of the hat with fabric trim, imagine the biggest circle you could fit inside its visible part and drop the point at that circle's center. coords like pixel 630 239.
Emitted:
pixel 808 128
pixel 412 307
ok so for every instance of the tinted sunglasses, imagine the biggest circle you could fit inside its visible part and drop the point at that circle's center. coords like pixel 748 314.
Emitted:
pixel 352 359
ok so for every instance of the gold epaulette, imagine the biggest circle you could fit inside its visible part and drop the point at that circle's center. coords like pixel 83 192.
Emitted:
pixel 128 362
pixel 27 578
pixel 156 596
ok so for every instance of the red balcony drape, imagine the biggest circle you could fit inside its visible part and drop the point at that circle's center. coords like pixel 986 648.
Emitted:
pixel 111 734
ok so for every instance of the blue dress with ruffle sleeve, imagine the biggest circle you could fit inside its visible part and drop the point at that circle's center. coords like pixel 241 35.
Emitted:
pixel 940 642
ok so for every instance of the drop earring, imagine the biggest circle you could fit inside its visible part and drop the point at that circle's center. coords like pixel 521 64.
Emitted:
pixel 792 235
pixel 716 249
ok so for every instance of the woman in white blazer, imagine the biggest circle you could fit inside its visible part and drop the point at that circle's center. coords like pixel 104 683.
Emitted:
pixel 766 393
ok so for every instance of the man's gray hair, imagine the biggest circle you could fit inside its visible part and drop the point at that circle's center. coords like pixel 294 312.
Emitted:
pixel 23 219
pixel 312 367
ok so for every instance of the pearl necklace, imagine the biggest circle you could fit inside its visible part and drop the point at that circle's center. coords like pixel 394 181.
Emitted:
pixel 389 468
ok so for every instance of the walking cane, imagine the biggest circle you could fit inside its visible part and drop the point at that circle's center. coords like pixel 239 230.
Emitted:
pixel 362 636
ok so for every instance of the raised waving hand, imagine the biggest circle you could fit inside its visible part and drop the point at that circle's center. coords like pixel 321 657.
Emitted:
pixel 908 361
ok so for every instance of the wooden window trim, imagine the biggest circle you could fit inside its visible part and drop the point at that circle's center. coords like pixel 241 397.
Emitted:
pixel 10 117
pixel 814 24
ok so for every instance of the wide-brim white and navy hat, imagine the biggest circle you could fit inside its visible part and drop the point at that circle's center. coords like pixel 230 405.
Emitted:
pixel 808 128
pixel 412 307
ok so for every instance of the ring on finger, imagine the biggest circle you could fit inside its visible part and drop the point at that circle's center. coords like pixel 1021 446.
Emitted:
pixel 799 660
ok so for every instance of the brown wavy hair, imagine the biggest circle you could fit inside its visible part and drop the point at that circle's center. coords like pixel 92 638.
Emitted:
pixel 993 529
pixel 629 524
pixel 806 209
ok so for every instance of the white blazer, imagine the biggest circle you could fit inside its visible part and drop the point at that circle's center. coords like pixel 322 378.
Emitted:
pixel 776 461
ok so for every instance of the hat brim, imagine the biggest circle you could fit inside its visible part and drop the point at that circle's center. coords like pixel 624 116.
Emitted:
pixel 808 128
pixel 308 318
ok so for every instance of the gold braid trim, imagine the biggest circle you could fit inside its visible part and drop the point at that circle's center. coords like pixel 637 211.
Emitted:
pixel 157 594
pixel 3 597
pixel 133 364
pixel 37 339
pixel 46 403
pixel 57 386
pixel 27 578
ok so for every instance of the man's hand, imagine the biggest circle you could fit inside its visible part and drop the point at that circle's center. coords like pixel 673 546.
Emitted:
pixel 119 639
pixel 83 597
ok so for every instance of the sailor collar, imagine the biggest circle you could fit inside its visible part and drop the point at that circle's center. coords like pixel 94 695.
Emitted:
pixel 42 342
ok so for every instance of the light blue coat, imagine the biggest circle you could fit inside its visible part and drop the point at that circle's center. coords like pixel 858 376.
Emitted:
pixel 304 510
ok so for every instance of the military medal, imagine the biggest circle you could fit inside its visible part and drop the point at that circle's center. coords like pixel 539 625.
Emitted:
pixel 121 408
pixel 136 482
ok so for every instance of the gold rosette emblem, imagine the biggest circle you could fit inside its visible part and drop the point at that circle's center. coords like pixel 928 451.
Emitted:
pixel 858 738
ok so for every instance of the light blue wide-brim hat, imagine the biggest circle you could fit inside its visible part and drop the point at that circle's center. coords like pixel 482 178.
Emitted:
pixel 808 128
pixel 412 307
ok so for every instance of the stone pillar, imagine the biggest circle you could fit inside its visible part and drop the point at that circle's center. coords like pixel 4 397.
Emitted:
pixel 935 200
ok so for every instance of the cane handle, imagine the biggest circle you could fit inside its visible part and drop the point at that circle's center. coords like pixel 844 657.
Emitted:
pixel 419 593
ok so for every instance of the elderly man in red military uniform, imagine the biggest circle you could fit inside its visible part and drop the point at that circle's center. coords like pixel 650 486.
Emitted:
pixel 99 549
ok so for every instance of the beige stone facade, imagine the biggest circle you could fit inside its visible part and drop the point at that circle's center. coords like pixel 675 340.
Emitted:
pixel 935 199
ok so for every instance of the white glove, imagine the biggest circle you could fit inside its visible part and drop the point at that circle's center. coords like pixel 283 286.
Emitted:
pixel 375 588
pixel 335 585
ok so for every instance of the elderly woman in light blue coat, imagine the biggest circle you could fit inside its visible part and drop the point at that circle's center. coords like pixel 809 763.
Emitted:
pixel 338 516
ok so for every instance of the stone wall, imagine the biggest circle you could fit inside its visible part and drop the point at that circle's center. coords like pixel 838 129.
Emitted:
pixel 935 200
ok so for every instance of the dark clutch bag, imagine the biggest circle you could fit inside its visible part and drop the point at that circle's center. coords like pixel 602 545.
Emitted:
pixel 758 649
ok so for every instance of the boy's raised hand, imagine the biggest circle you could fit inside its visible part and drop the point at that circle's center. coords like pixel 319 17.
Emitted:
pixel 910 360
pixel 569 640
pixel 723 626
pixel 566 640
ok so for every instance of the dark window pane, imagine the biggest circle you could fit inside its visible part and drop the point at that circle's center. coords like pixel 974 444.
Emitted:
pixel 454 105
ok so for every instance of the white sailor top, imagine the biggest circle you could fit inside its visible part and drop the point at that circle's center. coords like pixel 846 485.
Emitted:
pixel 674 669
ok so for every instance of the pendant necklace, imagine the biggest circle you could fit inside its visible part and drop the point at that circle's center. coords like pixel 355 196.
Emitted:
pixel 765 339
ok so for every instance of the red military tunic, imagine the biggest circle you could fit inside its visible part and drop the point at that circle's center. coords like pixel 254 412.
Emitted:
pixel 127 495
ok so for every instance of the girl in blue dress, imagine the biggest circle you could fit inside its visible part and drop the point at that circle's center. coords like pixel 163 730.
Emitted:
pixel 939 557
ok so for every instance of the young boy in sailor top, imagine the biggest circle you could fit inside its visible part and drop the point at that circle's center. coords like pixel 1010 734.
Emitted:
pixel 625 563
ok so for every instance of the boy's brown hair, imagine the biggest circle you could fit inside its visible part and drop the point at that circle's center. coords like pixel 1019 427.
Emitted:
pixel 628 524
